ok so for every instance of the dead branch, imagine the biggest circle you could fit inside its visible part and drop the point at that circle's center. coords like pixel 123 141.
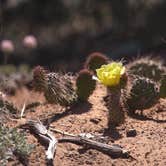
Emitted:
pixel 112 150
pixel 61 132
pixel 40 130
pixel 81 139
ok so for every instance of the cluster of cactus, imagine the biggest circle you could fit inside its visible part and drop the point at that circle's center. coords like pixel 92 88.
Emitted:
pixel 13 142
pixel 85 84
pixel 145 80
pixel 57 88
pixel 147 67
pixel 95 60
pixel 142 93
pixel 146 83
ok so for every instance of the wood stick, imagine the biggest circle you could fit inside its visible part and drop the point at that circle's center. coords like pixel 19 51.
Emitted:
pixel 40 130
pixel 61 132
pixel 112 150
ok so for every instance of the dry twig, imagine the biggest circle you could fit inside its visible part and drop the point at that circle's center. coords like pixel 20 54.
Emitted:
pixel 82 139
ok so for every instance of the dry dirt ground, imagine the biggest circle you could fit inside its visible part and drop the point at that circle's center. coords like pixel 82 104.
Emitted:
pixel 148 147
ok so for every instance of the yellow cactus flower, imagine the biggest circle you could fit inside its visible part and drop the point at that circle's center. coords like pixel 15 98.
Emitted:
pixel 110 74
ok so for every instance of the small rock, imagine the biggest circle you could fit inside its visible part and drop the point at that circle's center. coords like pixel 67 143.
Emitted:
pixel 131 133
pixel 88 162
pixel 95 120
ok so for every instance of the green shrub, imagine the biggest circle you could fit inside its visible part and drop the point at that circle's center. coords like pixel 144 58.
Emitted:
pixel 13 142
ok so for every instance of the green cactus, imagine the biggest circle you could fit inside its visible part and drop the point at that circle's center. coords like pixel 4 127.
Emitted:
pixel 60 89
pixel 115 106
pixel 57 88
pixel 163 87
pixel 95 60
pixel 141 94
pixel 147 67
pixel 85 84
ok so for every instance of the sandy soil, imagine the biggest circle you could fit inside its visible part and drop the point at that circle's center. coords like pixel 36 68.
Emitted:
pixel 148 147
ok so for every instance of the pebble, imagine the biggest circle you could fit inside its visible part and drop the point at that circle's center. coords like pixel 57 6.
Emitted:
pixel 95 120
pixel 131 133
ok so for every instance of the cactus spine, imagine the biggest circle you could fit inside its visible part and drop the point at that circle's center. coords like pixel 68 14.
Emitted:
pixel 57 88
pixel 85 84
pixel 60 89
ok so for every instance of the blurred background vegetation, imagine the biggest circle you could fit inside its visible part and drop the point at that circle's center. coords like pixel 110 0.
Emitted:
pixel 68 30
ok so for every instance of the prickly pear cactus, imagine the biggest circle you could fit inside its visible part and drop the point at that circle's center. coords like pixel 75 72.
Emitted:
pixel 60 89
pixel 163 87
pixel 95 60
pixel 141 94
pixel 85 85
pixel 147 67
pixel 115 106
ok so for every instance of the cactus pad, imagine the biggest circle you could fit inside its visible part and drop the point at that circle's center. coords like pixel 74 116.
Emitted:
pixel 57 88
pixel 142 94
pixel 85 84
pixel 60 89
pixel 95 60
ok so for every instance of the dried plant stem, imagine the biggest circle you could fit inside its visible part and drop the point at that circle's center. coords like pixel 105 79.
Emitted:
pixel 61 132
pixel 39 129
